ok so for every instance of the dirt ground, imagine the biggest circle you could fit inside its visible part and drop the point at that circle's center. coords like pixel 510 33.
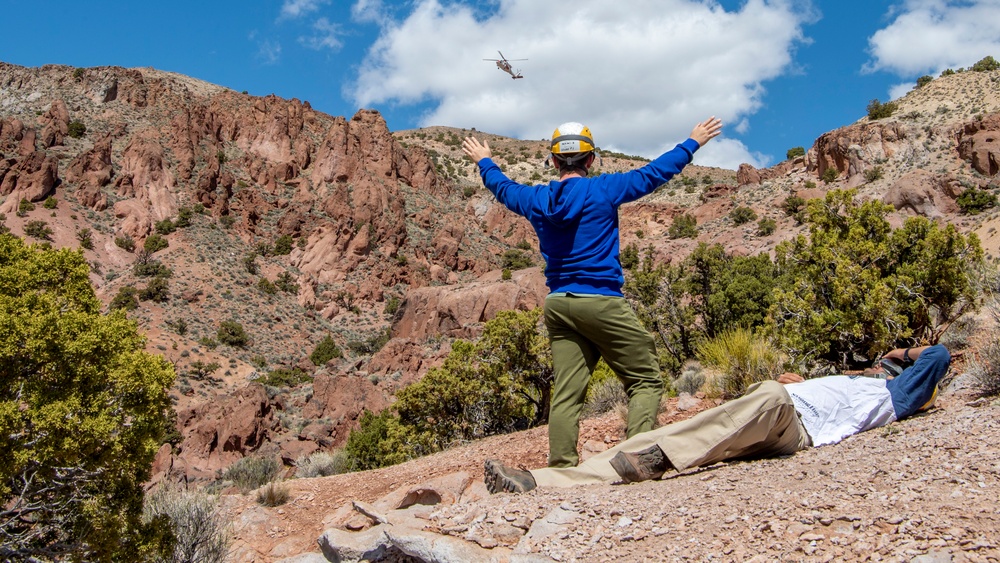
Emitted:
pixel 925 489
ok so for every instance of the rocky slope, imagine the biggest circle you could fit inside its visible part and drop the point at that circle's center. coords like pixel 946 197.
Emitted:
pixel 392 234
pixel 923 489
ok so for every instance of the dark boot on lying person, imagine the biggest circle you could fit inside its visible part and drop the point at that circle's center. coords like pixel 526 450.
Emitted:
pixel 650 463
pixel 501 478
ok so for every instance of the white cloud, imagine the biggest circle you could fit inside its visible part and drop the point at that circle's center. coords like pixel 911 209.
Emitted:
pixel 899 90
pixel 369 11
pixel 296 8
pixel 269 51
pixel 327 36
pixel 928 36
pixel 638 72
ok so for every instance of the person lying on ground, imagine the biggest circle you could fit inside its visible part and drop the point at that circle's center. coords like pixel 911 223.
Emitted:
pixel 774 418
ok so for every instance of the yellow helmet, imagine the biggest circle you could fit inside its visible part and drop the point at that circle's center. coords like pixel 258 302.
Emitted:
pixel 572 138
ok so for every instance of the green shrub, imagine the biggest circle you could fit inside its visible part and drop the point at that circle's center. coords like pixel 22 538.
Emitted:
pixel 605 392
pixel 85 237
pixel 629 257
pixel 125 242
pixel 690 380
pixel 878 110
pixel 200 370
pixel 38 229
pixel 155 243
pixel 199 529
pixel 227 221
pixel 126 299
pixel 157 290
pixel 873 173
pixel 684 226
pixel 766 226
pixel 947 72
pixel 741 215
pixel 50 203
pixel 514 259
pixel 325 351
pixel 743 359
pixel 793 206
pixel 231 333
pixel 505 274
pixel 392 305
pixel 924 81
pixel 266 286
pixel 83 414
pixel 250 263
pixel 986 64
pixel 855 287
pixel 23 207
pixel 184 216
pixel 252 472
pixel 493 386
pixel 165 227
pixel 283 377
pixel 77 129
pixel 285 282
pixel 795 152
pixel 324 464
pixel 974 201
pixel 145 267
pixel 283 245
pixel 830 175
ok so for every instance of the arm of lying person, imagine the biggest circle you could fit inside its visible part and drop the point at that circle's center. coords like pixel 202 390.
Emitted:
pixel 906 355
pixel 789 377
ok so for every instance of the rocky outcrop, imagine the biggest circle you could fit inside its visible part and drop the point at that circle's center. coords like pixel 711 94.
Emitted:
pixel 341 399
pixel 33 178
pixel 145 176
pixel 924 193
pixel 851 150
pixel 91 170
pixel 979 144
pixel 219 432
pixel 55 124
pixel 454 311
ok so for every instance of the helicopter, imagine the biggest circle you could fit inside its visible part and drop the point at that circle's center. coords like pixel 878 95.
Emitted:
pixel 504 64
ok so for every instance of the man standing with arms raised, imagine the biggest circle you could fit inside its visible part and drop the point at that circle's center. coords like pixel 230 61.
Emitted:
pixel 587 317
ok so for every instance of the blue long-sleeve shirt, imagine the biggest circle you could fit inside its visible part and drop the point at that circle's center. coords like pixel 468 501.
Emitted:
pixel 576 219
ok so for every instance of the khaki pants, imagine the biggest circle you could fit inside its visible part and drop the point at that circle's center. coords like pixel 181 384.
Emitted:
pixel 761 423
pixel 583 329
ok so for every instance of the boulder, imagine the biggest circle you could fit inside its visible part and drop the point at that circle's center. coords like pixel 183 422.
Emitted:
pixel 979 144
pixel 924 193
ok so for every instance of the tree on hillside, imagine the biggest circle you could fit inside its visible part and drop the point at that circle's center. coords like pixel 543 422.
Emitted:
pixel 855 287
pixel 496 385
pixel 82 413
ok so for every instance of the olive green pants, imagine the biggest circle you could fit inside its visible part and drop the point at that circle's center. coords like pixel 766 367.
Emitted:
pixel 583 329
pixel 762 423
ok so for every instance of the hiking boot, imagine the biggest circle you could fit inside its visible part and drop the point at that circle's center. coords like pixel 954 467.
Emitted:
pixel 500 478
pixel 650 463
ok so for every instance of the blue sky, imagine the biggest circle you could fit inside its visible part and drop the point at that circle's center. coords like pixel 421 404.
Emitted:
pixel 640 73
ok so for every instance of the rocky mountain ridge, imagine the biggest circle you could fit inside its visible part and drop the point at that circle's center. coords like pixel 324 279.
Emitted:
pixel 395 246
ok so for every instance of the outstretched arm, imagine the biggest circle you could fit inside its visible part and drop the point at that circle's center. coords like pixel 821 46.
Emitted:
pixel 476 150
pixel 707 130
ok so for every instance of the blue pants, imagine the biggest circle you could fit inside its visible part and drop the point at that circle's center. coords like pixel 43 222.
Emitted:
pixel 915 386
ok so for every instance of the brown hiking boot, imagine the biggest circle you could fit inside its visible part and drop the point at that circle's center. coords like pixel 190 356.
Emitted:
pixel 650 463
pixel 500 478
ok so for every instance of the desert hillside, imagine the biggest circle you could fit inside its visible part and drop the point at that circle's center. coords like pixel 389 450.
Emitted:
pixel 245 235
